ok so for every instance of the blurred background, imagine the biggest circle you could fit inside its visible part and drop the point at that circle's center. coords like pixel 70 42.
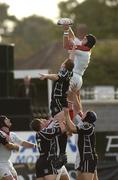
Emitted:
pixel 31 43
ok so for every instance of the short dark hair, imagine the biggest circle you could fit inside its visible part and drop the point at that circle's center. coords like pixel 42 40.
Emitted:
pixel 90 117
pixel 35 124
pixel 91 40
pixel 69 64
pixel 2 120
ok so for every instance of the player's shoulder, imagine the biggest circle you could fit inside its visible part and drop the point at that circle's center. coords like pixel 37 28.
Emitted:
pixel 86 126
pixel 12 134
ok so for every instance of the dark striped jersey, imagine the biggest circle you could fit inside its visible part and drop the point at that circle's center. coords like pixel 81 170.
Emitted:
pixel 87 141
pixel 59 147
pixel 60 86
pixel 46 139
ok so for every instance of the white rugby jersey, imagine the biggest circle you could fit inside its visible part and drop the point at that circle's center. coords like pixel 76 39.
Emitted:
pixel 81 59
pixel 4 152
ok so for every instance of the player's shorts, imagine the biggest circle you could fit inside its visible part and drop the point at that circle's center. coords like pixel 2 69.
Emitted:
pixel 61 172
pixel 76 81
pixel 57 105
pixel 44 167
pixel 5 170
pixel 12 169
pixel 88 166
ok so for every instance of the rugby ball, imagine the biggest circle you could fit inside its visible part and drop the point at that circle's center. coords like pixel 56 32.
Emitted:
pixel 65 21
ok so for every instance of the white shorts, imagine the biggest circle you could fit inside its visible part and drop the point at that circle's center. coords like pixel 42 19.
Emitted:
pixel 62 171
pixel 12 169
pixel 76 81
pixel 5 169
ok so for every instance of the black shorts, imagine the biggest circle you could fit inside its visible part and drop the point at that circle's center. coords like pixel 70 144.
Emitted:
pixel 44 167
pixel 57 105
pixel 88 166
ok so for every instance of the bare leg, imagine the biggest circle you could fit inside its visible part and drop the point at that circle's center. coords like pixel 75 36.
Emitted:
pixel 41 178
pixel 75 98
pixel 64 177
pixel 85 176
pixel 8 178
pixel 95 176
pixel 77 103
pixel 50 177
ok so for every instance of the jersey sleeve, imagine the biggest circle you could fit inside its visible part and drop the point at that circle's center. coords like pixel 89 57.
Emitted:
pixel 3 139
pixel 15 139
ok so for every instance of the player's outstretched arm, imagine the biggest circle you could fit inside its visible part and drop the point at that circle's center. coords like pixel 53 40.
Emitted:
pixel 11 146
pixel 48 76
pixel 69 124
pixel 27 144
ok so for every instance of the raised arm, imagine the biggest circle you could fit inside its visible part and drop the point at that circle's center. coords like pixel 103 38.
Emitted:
pixel 7 144
pixel 27 144
pixel 48 76
pixel 11 146
pixel 69 124
pixel 19 141
pixel 68 37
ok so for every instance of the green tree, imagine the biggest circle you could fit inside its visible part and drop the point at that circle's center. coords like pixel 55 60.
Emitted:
pixel 103 66
pixel 32 34
pixel 101 16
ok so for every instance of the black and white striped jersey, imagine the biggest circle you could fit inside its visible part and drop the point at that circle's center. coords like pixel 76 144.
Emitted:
pixel 60 86
pixel 87 141
pixel 46 139
pixel 59 146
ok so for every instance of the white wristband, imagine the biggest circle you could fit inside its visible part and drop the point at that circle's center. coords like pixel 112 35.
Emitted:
pixel 66 33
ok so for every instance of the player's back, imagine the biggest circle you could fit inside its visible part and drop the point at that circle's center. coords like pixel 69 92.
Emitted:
pixel 81 61
pixel 81 58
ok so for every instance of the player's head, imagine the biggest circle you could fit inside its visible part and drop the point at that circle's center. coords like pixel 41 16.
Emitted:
pixel 37 124
pixel 4 122
pixel 91 40
pixel 90 117
pixel 68 64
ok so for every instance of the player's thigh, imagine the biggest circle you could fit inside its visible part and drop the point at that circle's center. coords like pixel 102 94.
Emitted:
pixel 41 178
pixel 50 177
pixel 85 176
pixel 5 173
pixel 75 83
pixel 13 171
pixel 8 178
pixel 64 177
pixel 59 116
